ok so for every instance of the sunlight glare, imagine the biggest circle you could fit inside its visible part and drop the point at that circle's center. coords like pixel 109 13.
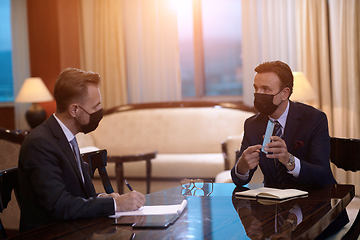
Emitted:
pixel 180 5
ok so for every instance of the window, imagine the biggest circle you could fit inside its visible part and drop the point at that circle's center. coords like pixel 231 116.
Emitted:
pixel 210 47
pixel 6 77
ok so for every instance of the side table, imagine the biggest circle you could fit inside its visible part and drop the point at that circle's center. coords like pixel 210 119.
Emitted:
pixel 119 168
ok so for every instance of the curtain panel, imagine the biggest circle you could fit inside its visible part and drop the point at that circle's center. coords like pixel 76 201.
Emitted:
pixel 133 44
pixel 20 57
pixel 344 27
pixel 102 48
pixel 152 51
pixel 269 34
pixel 313 54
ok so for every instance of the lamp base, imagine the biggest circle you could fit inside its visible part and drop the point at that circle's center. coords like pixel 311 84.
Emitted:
pixel 35 115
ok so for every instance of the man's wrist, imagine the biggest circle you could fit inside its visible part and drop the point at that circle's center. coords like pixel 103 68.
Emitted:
pixel 239 170
pixel 291 160
pixel 292 222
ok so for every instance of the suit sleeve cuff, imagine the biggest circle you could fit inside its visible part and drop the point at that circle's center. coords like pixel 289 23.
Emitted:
pixel 114 204
pixel 297 168
pixel 112 198
pixel 242 177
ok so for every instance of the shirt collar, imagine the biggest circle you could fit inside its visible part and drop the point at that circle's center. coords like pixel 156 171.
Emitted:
pixel 283 117
pixel 69 135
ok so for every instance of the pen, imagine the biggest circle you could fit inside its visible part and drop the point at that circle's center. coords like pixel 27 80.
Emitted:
pixel 128 185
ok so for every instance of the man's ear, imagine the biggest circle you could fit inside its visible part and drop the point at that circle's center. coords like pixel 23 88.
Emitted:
pixel 286 93
pixel 73 108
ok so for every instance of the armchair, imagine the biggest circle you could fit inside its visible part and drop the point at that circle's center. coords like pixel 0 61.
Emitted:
pixel 8 183
pixel 345 154
pixel 229 149
pixel 10 143
pixel 98 160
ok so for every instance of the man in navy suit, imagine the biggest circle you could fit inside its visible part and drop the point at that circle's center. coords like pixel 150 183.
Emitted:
pixel 54 182
pixel 301 152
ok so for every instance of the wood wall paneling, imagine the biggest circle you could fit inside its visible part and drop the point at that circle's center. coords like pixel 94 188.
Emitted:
pixel 7 119
pixel 53 40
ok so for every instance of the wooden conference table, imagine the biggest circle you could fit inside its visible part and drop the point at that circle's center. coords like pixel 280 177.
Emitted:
pixel 217 216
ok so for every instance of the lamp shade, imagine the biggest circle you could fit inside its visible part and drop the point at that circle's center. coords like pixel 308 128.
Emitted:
pixel 302 90
pixel 34 90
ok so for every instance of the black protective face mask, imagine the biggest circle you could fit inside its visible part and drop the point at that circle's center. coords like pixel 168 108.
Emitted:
pixel 264 103
pixel 94 121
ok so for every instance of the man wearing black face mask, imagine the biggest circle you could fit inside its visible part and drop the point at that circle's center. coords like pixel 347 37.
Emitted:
pixel 300 153
pixel 54 182
pixel 303 149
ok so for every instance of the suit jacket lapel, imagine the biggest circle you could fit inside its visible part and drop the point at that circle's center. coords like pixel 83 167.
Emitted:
pixel 88 182
pixel 65 146
pixel 292 124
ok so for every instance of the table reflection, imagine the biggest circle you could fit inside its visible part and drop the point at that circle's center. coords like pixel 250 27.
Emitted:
pixel 275 219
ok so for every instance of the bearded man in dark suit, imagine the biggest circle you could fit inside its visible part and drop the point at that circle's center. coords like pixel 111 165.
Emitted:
pixel 300 153
pixel 54 182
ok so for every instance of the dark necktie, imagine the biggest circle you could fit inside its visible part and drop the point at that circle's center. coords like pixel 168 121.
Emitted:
pixel 76 151
pixel 278 165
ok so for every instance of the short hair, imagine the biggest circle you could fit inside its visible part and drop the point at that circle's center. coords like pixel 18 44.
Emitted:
pixel 282 70
pixel 71 86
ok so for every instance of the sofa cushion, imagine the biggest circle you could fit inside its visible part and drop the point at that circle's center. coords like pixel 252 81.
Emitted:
pixel 166 130
pixel 175 166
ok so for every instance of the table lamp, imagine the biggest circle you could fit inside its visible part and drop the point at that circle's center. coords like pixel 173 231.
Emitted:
pixel 34 91
pixel 302 91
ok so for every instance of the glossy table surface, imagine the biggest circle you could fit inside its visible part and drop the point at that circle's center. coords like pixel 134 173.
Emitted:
pixel 217 216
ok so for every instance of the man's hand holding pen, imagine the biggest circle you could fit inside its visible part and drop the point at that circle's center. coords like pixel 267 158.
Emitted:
pixel 130 201
pixel 127 202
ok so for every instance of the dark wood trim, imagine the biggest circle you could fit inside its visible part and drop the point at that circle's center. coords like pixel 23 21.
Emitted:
pixel 15 136
pixel 224 149
pixel 8 119
pixel 158 179
pixel 180 104
pixel 164 179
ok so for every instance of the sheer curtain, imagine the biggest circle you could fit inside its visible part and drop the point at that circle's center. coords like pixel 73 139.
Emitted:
pixel 20 57
pixel 313 54
pixel 133 44
pixel 103 48
pixel 329 56
pixel 345 71
pixel 152 51
pixel 269 34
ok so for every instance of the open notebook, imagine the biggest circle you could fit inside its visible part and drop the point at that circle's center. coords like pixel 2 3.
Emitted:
pixel 156 216
pixel 154 210
pixel 272 193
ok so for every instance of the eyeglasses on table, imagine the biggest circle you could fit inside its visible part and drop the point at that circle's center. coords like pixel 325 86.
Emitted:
pixel 195 187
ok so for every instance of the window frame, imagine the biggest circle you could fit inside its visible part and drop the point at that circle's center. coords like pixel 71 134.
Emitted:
pixel 199 65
